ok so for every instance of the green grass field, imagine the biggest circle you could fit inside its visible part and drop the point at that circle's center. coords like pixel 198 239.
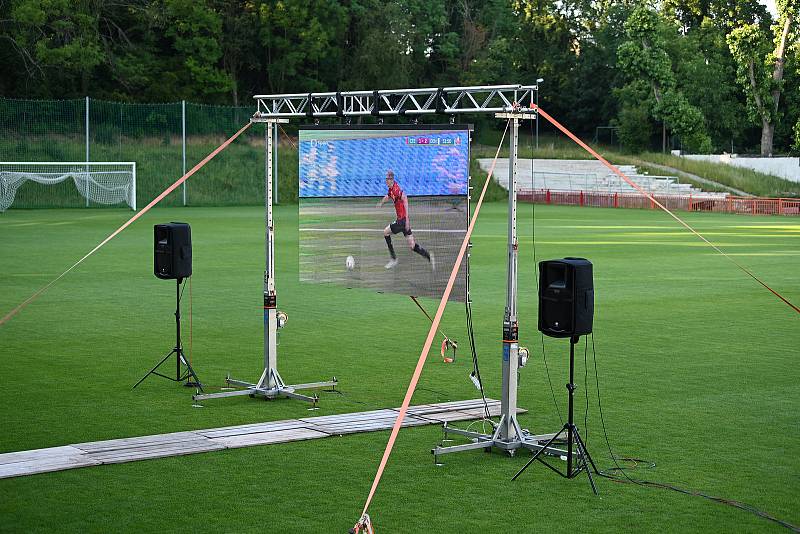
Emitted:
pixel 697 368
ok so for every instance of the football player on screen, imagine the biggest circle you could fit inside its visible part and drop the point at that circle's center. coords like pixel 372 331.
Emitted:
pixel 401 224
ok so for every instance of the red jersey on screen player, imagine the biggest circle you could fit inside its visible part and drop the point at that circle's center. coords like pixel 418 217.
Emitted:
pixel 395 194
pixel 401 224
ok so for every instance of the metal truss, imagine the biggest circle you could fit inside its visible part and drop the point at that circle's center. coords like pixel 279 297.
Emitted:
pixel 381 103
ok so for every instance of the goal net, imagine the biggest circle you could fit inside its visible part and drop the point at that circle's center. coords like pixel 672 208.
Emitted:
pixel 67 184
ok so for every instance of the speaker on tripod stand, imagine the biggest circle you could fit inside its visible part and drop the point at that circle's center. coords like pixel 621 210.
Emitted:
pixel 566 309
pixel 172 260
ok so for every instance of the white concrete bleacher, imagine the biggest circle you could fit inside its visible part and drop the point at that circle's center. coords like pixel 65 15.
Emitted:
pixel 588 176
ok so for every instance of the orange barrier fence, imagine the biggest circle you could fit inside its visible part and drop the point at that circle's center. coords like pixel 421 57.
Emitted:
pixel 729 204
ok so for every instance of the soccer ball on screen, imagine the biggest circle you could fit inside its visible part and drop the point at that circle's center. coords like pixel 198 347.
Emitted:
pixel 350 263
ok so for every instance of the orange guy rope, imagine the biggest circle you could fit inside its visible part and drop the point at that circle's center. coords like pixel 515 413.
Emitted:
pixel 656 202
pixel 130 221
pixel 431 334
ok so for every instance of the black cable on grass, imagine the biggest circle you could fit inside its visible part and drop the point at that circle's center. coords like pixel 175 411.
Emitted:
pixel 471 335
pixel 585 390
pixel 625 479
pixel 550 382
pixel 475 369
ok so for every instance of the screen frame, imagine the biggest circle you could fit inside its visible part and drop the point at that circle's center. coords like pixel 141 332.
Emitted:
pixel 462 127
pixel 466 127
pixel 445 127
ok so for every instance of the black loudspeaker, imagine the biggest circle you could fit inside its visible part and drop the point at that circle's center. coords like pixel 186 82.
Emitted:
pixel 173 251
pixel 566 297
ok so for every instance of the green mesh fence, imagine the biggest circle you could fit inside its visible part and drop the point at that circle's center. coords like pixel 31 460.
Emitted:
pixel 149 134
pixel 236 175
pixel 43 130
pixel 152 136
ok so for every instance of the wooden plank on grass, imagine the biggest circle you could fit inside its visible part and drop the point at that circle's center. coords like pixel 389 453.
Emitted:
pixel 22 463
pixel 156 451
pixel 425 409
pixel 39 454
pixel 350 417
pixel 126 443
pixel 63 463
pixel 266 438
pixel 180 443
pixel 449 406
pixel 242 430
pixel 374 425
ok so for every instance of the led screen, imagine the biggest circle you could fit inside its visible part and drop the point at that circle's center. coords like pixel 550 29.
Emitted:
pixel 359 184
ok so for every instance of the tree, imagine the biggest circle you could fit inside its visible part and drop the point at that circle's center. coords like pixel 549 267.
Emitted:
pixel 644 57
pixel 239 43
pixel 57 40
pixel 707 74
pixel 796 131
pixel 760 55
pixel 796 145
pixel 196 31
pixel 300 43
pixel 636 127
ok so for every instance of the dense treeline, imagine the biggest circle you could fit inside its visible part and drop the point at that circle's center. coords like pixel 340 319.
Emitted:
pixel 701 74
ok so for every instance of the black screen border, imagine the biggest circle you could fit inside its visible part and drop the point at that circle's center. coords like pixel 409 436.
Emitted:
pixel 424 127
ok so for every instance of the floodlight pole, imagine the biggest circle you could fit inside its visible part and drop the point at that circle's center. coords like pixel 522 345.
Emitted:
pixel 270 384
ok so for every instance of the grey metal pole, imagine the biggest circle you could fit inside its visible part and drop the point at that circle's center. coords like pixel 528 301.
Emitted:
pixel 87 150
pixel 508 402
pixel 183 144
pixel 270 385
pixel 536 87
pixel 270 309
pixel 275 169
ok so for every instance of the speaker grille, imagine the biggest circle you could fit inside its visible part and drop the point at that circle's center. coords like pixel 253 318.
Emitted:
pixel 172 244
pixel 566 297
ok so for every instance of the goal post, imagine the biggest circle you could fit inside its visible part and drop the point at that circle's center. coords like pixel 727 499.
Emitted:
pixel 104 183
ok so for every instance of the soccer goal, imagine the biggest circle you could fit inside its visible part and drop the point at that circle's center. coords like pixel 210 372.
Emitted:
pixel 105 183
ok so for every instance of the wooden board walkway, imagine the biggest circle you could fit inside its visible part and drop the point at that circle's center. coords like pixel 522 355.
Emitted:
pixel 14 464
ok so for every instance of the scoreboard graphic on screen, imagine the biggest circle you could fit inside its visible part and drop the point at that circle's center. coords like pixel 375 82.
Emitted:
pixel 347 208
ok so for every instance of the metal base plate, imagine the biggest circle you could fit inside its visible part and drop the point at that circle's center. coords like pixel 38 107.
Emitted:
pixel 253 390
pixel 523 440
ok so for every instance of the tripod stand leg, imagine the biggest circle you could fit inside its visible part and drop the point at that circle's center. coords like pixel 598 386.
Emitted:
pixel 153 370
pixel 180 357
pixel 538 453
pixel 589 456
pixel 584 457
pixel 189 373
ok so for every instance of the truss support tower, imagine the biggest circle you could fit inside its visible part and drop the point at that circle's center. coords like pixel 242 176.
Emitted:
pixel 508 435
pixel 270 385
